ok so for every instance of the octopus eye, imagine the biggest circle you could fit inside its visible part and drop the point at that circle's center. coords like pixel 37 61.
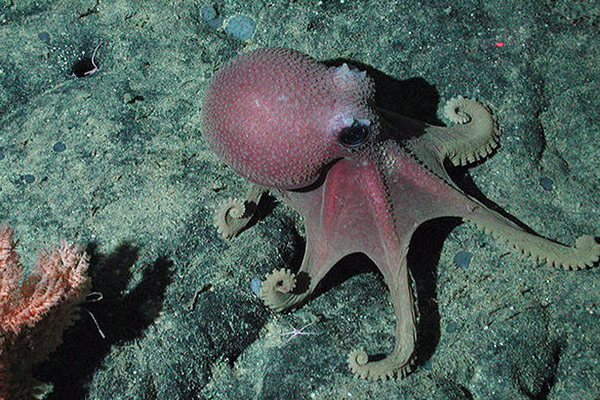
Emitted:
pixel 355 134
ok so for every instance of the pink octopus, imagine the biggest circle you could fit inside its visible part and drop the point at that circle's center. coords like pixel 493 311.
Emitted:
pixel 363 178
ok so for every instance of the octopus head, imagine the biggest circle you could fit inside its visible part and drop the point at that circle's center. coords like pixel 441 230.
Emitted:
pixel 277 116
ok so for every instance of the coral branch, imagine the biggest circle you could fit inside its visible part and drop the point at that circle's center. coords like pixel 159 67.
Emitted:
pixel 34 313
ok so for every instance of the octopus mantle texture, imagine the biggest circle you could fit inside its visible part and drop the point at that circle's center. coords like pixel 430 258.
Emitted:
pixel 363 178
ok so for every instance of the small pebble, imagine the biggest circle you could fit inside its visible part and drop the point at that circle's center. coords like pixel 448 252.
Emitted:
pixel 28 178
pixel 211 17
pixel 451 327
pixel 208 13
pixel 546 183
pixel 255 285
pixel 59 147
pixel 463 259
pixel 240 27
pixel 44 37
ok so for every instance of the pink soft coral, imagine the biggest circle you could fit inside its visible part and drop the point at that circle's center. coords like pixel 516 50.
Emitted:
pixel 34 313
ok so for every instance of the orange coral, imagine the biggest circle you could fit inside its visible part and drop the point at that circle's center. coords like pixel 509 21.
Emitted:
pixel 34 313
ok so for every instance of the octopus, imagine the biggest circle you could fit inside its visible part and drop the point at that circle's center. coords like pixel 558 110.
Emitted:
pixel 362 178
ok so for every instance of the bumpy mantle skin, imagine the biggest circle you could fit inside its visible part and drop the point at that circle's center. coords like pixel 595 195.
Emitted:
pixel 363 178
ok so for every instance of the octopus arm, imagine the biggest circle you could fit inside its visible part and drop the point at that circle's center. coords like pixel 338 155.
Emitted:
pixel 585 253
pixel 282 289
pixel 326 243
pixel 392 263
pixel 473 137
pixel 234 214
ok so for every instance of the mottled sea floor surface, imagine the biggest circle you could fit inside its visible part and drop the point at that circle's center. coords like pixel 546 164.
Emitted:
pixel 115 160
